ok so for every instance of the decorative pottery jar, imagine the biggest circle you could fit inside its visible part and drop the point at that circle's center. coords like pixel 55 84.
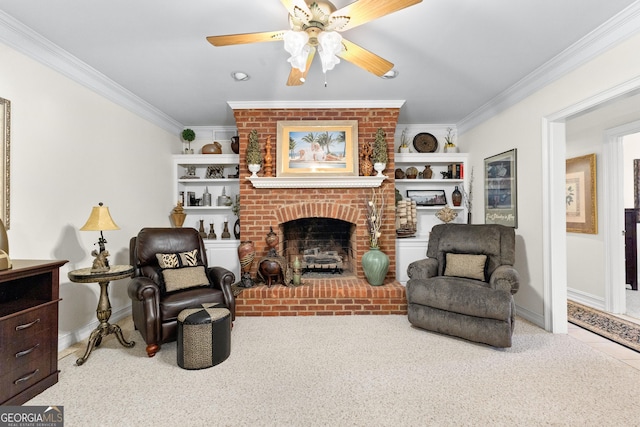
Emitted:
pixel 214 148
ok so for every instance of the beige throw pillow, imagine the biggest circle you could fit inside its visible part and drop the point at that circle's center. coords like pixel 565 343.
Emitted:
pixel 176 279
pixel 469 266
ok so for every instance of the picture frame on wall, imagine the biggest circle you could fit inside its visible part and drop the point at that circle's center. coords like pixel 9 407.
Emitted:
pixel 428 197
pixel 580 195
pixel 317 148
pixel 501 189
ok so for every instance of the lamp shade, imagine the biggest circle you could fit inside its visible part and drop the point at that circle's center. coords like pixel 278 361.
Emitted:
pixel 99 220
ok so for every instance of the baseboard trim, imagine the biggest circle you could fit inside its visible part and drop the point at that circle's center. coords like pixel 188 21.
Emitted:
pixel 70 338
pixel 530 316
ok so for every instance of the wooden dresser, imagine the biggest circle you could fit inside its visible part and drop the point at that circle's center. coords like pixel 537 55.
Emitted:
pixel 29 295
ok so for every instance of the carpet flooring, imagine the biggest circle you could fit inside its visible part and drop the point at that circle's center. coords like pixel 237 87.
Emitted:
pixel 350 371
pixel 605 324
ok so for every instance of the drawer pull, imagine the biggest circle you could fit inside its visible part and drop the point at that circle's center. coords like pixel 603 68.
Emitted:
pixel 27 351
pixel 27 325
pixel 26 377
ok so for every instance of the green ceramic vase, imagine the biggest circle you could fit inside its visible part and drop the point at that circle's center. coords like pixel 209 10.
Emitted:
pixel 375 264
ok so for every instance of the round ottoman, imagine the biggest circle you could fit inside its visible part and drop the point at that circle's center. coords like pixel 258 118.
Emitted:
pixel 204 336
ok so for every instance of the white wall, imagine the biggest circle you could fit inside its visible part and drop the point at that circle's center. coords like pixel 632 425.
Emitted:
pixel 70 149
pixel 585 252
pixel 520 127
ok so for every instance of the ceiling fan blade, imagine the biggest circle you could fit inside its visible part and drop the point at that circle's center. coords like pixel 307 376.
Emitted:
pixel 365 59
pixel 291 4
pixel 297 77
pixel 231 39
pixel 362 11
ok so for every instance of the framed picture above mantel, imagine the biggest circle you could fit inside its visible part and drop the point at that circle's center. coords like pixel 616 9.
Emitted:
pixel 317 148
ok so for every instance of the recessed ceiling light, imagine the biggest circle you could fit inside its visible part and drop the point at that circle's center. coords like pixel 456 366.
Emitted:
pixel 391 74
pixel 239 76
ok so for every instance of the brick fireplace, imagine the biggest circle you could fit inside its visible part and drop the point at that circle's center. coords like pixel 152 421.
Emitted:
pixel 265 208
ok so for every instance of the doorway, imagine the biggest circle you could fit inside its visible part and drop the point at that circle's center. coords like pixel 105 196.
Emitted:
pixel 554 229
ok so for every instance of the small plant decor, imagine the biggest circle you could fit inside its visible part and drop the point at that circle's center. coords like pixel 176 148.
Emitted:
pixel 450 138
pixel 188 135
pixel 404 141
pixel 380 147
pixel 254 154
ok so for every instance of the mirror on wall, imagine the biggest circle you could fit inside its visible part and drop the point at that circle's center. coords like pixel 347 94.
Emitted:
pixel 5 139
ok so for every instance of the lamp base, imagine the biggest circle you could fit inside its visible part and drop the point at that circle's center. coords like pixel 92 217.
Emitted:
pixel 5 261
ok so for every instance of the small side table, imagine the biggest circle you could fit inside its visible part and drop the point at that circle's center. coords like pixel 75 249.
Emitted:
pixel 103 312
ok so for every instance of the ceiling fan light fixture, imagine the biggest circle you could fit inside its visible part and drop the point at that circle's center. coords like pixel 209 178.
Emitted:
pixel 391 74
pixel 330 45
pixel 295 43
pixel 240 76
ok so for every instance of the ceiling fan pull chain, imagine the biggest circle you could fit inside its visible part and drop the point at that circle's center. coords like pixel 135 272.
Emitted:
pixel 325 79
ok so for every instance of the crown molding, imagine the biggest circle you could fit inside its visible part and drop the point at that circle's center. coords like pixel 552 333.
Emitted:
pixel 23 39
pixel 617 29
pixel 267 105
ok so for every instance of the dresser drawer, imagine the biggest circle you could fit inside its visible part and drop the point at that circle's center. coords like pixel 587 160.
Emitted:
pixel 28 323
pixel 18 353
pixel 19 379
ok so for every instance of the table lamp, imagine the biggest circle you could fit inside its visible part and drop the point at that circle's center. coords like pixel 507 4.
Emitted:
pixel 100 220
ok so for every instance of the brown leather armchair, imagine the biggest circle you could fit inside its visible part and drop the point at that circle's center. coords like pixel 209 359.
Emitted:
pixel 155 312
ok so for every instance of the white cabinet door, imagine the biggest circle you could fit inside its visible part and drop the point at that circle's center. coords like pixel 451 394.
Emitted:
pixel 224 253
pixel 407 251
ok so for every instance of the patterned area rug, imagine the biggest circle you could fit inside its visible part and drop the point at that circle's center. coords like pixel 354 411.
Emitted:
pixel 605 324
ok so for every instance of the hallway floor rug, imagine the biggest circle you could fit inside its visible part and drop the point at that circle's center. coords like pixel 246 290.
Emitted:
pixel 605 324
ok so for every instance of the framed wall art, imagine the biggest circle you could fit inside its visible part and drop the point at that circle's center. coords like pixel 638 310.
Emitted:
pixel 317 147
pixel 5 142
pixel 428 197
pixel 500 189
pixel 580 195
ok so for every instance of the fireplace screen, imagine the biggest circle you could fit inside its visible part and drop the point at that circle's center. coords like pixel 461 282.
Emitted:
pixel 322 245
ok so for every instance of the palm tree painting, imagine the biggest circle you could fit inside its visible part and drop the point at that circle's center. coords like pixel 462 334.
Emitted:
pixel 324 149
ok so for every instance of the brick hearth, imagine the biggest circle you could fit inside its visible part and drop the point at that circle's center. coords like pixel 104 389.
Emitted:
pixel 323 297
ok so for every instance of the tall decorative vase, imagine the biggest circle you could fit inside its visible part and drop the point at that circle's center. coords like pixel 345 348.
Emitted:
pixel 177 215
pixel 456 197
pixel 246 255
pixel 375 264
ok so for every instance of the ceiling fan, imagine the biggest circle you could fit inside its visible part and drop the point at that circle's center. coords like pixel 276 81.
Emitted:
pixel 315 26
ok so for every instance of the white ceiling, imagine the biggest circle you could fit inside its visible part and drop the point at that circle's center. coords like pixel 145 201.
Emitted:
pixel 453 56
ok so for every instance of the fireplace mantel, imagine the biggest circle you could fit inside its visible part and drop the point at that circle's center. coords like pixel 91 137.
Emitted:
pixel 318 182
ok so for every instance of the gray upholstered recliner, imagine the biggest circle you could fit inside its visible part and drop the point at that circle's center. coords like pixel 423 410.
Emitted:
pixel 465 287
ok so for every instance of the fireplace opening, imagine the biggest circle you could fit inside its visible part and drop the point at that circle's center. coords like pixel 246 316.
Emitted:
pixel 322 245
